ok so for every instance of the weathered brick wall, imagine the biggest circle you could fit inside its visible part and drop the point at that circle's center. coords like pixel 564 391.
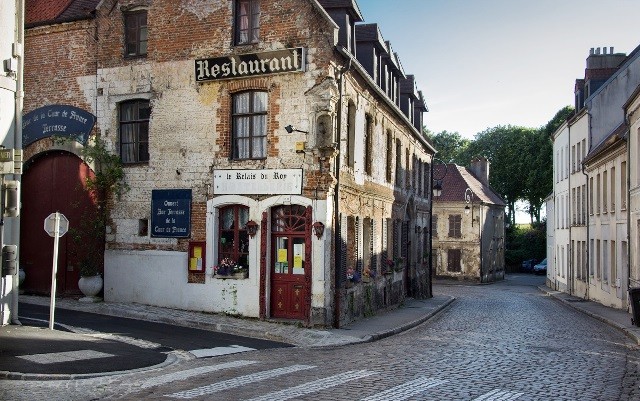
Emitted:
pixel 57 61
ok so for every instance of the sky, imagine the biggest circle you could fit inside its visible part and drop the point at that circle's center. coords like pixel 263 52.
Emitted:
pixel 484 63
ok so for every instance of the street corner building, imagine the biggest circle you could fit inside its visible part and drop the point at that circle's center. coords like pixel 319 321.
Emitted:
pixel 468 224
pixel 273 154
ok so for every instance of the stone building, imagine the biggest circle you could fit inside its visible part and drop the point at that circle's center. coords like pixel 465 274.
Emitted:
pixel 272 149
pixel 468 224
pixel 594 234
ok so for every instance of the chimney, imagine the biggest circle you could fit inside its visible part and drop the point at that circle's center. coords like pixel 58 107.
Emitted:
pixel 480 169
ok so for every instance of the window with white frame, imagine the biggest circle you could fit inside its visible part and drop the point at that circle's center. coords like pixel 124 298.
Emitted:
pixel 249 125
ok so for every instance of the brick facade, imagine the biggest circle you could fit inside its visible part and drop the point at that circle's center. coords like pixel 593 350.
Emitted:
pixel 190 137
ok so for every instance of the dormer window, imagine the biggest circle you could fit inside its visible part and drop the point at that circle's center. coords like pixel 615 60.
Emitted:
pixel 247 24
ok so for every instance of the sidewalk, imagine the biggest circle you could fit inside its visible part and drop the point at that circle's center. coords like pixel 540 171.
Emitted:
pixel 28 352
pixel 617 318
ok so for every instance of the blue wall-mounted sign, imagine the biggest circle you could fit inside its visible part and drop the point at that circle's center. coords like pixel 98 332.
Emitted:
pixel 59 120
pixel 171 213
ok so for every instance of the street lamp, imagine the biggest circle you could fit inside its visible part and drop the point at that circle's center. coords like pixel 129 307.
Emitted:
pixel 437 180
pixel 468 198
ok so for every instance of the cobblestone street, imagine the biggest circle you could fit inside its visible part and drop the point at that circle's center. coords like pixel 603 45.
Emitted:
pixel 504 341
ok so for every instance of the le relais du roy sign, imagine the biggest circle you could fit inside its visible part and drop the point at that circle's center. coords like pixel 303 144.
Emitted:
pixel 246 65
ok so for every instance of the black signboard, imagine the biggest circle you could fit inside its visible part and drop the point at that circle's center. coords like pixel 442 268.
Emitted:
pixel 246 65
pixel 57 119
pixel 171 213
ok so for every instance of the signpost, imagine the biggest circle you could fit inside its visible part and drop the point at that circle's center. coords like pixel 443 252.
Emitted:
pixel 56 225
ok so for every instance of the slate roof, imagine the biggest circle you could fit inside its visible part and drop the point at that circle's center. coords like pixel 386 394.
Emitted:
pixel 457 180
pixel 46 12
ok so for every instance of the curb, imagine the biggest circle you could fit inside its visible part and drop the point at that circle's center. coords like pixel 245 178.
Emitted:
pixel 407 326
pixel 170 360
pixel 625 330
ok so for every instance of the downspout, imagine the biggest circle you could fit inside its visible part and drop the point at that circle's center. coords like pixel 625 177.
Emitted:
pixel 628 204
pixel 336 202
pixel 588 213
pixel 430 263
pixel 17 141
pixel 571 222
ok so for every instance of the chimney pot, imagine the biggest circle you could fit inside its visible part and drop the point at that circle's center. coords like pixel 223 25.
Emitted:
pixel 597 50
pixel 604 50
pixel 591 51
pixel 611 50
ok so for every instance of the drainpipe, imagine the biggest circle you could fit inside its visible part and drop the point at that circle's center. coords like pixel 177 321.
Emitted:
pixel 430 262
pixel 588 259
pixel 336 201
pixel 569 247
pixel 17 142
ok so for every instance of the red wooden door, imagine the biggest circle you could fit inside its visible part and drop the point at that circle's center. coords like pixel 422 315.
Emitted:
pixel 290 269
pixel 55 182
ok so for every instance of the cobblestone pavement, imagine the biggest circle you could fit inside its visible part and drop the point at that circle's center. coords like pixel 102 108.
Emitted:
pixel 506 341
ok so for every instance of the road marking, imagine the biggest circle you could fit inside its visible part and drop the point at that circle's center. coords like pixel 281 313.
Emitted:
pixel 498 395
pixel 312 387
pixel 406 390
pixel 68 356
pixel 218 351
pixel 238 381
pixel 186 374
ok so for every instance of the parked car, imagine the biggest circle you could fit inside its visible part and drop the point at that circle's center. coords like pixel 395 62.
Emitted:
pixel 527 265
pixel 541 268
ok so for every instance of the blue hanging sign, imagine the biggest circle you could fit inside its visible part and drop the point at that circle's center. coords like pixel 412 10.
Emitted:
pixel 171 213
pixel 57 119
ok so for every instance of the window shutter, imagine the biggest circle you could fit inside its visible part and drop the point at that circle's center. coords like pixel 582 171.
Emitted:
pixel 358 241
pixel 374 260
pixel 343 247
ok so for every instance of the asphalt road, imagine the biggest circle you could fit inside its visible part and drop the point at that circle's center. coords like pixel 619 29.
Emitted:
pixel 169 336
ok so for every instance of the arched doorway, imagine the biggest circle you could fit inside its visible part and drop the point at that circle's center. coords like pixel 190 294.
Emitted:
pixel 55 182
pixel 290 262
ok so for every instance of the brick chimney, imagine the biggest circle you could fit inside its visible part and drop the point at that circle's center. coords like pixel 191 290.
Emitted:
pixel 480 169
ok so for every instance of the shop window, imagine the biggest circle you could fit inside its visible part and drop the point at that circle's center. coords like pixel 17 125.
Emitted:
pixel 135 25
pixel 250 125
pixel 247 25
pixel 455 226
pixel 233 239
pixel 389 155
pixel 134 131
pixel 453 260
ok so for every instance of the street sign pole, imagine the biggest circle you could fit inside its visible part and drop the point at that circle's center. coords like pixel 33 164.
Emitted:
pixel 56 240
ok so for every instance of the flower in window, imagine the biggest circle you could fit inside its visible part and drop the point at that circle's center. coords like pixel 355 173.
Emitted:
pixel 226 267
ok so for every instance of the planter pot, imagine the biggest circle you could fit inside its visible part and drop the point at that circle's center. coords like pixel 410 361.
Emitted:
pixel 236 276
pixel 90 287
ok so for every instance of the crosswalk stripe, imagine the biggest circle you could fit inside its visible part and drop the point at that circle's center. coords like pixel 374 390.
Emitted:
pixel 498 395
pixel 237 382
pixel 186 374
pixel 67 356
pixel 218 351
pixel 312 387
pixel 406 390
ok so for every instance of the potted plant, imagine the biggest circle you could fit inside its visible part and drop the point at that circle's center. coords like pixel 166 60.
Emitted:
pixel 229 268
pixel 90 283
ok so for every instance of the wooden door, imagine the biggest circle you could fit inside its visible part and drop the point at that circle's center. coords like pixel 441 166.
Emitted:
pixel 290 267
pixel 54 183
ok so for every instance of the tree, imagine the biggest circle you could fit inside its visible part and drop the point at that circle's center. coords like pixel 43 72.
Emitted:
pixel 503 147
pixel 450 146
pixel 539 156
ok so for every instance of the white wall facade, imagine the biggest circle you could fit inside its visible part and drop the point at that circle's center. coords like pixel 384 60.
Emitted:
pixel 561 202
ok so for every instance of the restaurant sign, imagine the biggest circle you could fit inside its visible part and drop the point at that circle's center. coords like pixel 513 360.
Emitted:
pixel 59 120
pixel 257 182
pixel 171 213
pixel 246 65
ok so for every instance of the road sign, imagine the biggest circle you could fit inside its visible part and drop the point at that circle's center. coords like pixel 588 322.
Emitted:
pixel 50 224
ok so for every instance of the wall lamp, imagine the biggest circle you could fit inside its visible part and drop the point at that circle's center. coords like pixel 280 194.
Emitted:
pixel 437 181
pixel 252 228
pixel 468 198
pixel 318 229
pixel 290 128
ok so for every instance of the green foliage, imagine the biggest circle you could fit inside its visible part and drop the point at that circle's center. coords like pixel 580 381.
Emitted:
pixel 450 146
pixel 525 242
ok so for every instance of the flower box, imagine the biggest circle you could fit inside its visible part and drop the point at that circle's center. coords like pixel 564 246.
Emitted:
pixel 236 276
